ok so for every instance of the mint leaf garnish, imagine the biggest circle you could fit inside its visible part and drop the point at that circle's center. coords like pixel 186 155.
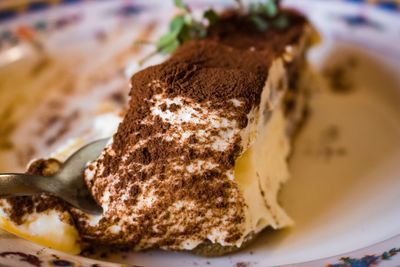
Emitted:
pixel 211 16
pixel 260 23
pixel 171 47
pixel 181 5
pixel 281 22
pixel 270 8
pixel 267 12
pixel 185 27
pixel 177 23
pixel 166 40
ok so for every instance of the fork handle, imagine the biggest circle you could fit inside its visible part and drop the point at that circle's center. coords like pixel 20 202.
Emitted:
pixel 18 184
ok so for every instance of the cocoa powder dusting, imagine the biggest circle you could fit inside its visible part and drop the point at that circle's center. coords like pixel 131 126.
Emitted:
pixel 183 166
pixel 150 155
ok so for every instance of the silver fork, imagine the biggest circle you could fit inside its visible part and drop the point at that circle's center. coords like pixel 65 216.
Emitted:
pixel 67 183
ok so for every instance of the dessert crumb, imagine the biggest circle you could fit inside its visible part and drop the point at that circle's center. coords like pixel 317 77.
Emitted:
pixel 339 75
pixel 328 145
pixel 118 97
pixel 242 264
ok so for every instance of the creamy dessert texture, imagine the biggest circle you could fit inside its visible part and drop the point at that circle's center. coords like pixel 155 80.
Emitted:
pixel 202 151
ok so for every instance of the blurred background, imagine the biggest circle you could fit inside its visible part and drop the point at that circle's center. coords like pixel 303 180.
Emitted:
pixel 64 78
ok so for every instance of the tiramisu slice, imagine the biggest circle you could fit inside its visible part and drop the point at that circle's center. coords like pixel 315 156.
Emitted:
pixel 200 156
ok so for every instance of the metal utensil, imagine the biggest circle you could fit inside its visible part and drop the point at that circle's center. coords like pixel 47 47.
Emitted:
pixel 67 183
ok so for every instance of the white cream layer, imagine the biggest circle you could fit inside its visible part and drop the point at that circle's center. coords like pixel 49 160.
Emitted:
pixel 259 171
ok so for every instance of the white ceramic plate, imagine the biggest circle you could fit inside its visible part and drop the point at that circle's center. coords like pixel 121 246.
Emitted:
pixel 344 192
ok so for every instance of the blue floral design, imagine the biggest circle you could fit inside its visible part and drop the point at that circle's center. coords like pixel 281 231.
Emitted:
pixel 382 4
pixel 360 20
pixel 389 5
pixel 366 261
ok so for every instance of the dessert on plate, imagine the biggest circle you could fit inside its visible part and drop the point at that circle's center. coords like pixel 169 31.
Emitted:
pixel 199 157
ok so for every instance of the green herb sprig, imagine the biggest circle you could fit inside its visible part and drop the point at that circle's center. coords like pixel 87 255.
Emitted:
pixel 182 28
pixel 265 14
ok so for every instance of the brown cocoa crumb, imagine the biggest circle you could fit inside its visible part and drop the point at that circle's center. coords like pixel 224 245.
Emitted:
pixel 163 107
pixel 45 167
pixel 135 190
pixel 174 107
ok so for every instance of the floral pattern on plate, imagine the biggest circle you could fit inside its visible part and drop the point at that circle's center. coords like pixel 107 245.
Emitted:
pixel 371 24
